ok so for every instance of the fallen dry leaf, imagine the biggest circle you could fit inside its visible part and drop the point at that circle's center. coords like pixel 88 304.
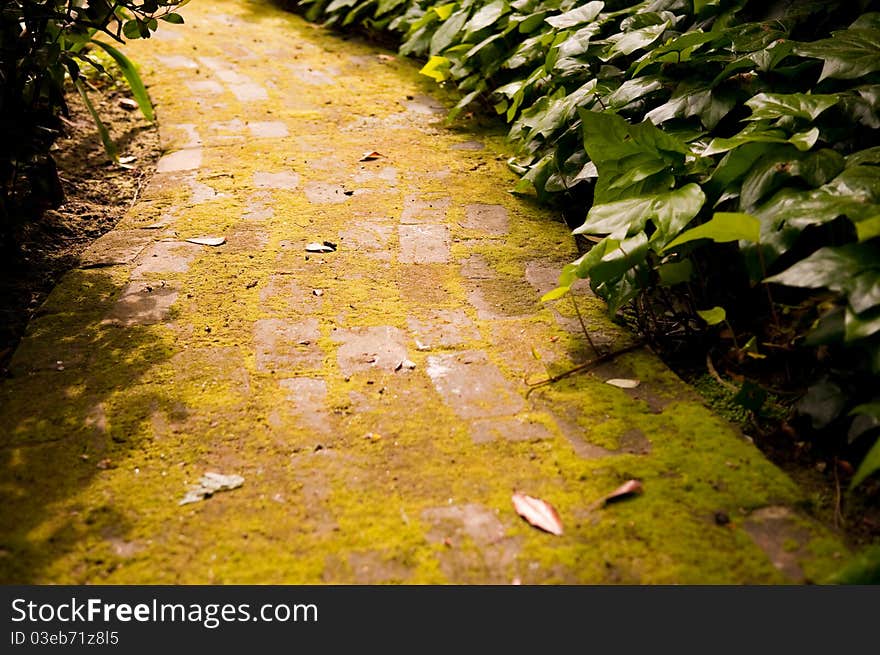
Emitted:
pixel 128 104
pixel 207 241
pixel 538 513
pixel 370 156
pixel 628 488
pixel 385 58
pixel 623 383
pixel 318 247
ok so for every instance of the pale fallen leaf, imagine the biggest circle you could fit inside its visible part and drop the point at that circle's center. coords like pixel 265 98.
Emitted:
pixel 538 513
pixel 127 159
pixel 370 156
pixel 623 383
pixel 318 247
pixel 628 488
pixel 209 484
pixel 128 103
pixel 385 58
pixel 207 241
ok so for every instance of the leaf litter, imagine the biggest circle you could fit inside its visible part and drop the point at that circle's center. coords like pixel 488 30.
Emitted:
pixel 538 513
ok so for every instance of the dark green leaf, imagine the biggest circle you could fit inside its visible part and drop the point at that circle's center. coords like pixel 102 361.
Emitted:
pixel 831 268
pixel 131 29
pixel 869 465
pixel 750 396
pixel 849 54
pixel 823 402
pixel 798 105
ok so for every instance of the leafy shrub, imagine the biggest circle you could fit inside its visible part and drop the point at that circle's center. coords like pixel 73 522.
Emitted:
pixel 41 43
pixel 722 155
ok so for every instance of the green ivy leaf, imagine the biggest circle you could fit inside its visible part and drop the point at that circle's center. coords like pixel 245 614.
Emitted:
pixel 677 50
pixel 670 212
pixel 759 133
pixel 581 267
pixel 688 101
pixel 628 254
pixel 577 16
pixel 627 43
pixel 848 54
pixel 447 32
pixel 722 228
pixel 854 193
pixel 831 268
pixel 798 105
pixel 486 16
pixel 672 273
pixel 713 316
pixel 632 90
pixel 869 465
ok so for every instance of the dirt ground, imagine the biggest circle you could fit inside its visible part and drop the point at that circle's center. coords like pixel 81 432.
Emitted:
pixel 97 194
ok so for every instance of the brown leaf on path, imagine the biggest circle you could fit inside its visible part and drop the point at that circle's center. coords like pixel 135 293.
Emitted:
pixel 628 488
pixel 385 58
pixel 538 513
pixel 371 156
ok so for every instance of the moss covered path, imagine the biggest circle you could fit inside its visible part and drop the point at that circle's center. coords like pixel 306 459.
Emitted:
pixel 373 398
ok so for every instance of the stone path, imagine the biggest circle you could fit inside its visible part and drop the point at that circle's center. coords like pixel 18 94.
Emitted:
pixel 373 398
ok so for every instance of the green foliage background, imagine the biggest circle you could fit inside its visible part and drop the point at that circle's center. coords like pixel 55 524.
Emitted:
pixel 720 153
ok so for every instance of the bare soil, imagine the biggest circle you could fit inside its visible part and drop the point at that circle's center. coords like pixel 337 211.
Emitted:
pixel 97 193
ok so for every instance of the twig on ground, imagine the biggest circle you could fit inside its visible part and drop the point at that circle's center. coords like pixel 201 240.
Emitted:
pixel 586 366
pixel 137 189
pixel 714 373
pixel 837 513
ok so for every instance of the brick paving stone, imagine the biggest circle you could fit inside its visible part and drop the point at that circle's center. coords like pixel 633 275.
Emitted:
pixel 472 386
pixel 285 345
pixel 423 244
